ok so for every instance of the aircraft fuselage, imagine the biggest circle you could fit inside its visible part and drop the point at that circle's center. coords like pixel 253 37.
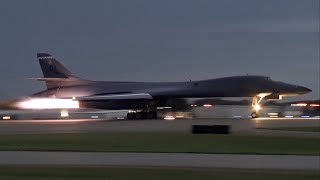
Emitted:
pixel 237 86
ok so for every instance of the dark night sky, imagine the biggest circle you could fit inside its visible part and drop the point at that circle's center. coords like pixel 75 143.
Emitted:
pixel 164 40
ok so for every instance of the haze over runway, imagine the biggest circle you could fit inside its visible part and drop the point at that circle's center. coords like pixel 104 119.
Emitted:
pixel 140 40
pixel 238 126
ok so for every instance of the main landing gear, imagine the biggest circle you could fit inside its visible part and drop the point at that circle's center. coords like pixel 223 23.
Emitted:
pixel 132 115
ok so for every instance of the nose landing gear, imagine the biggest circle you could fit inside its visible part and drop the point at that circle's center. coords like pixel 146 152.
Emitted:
pixel 254 114
pixel 256 104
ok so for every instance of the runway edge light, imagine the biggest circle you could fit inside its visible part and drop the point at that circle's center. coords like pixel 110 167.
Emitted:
pixel 6 118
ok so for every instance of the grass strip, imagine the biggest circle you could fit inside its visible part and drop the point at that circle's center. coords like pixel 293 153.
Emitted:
pixel 162 142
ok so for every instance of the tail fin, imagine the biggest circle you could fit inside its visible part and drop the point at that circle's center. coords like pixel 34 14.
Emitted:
pixel 51 68
pixel 55 74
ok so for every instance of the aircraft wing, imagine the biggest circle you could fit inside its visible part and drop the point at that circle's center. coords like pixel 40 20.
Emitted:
pixel 124 96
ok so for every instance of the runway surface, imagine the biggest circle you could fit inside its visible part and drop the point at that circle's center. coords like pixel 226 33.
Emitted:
pixel 281 162
pixel 285 162
pixel 241 126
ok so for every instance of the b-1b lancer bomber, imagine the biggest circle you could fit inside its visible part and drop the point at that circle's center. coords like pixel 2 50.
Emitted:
pixel 142 98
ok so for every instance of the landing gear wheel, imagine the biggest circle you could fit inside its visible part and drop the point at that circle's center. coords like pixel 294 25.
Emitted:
pixel 254 115
pixel 141 115
pixel 152 115
pixel 131 116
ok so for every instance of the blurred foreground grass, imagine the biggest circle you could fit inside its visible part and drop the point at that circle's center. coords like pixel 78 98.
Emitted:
pixel 162 142
pixel 141 173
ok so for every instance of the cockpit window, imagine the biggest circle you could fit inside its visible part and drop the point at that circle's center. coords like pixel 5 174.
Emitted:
pixel 267 78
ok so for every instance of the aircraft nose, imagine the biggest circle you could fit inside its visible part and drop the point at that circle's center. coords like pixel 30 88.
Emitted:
pixel 304 90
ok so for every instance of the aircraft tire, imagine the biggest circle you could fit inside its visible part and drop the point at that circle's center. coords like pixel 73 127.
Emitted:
pixel 254 115
pixel 131 116
pixel 141 115
pixel 152 115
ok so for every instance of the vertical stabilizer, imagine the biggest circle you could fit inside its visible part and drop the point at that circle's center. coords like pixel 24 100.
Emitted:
pixel 54 73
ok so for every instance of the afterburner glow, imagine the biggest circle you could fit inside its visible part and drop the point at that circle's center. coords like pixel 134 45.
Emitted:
pixel 48 103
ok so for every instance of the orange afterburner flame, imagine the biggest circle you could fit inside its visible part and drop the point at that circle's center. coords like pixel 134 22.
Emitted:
pixel 48 103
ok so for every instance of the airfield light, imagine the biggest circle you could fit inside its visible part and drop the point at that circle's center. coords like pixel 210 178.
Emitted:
pixel 273 114
pixel 237 116
pixel 169 117
pixel 6 117
pixel 207 105
pixel 64 113
pixel 314 105
pixel 299 104
pixel 166 107
pixel 48 103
